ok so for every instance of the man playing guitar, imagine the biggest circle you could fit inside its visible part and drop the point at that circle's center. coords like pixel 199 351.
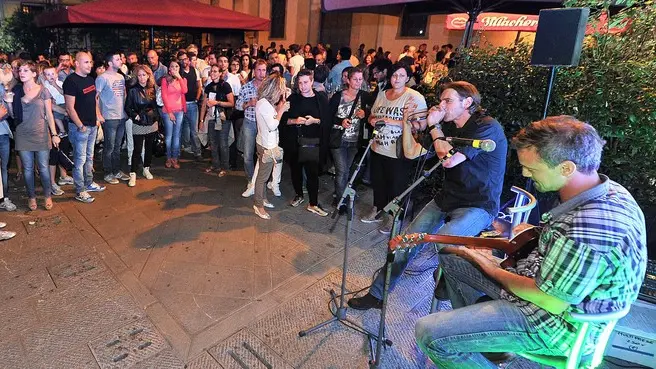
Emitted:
pixel 473 179
pixel 591 258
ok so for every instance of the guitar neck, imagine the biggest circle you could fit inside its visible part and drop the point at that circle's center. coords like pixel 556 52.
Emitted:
pixel 507 246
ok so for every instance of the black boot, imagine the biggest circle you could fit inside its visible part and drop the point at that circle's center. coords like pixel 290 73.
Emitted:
pixel 365 302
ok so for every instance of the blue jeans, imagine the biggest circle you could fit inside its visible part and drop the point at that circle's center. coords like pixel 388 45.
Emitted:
pixel 42 157
pixel 113 130
pixel 455 338
pixel 431 219
pixel 219 144
pixel 4 161
pixel 191 123
pixel 248 134
pixel 343 159
pixel 172 134
pixel 83 145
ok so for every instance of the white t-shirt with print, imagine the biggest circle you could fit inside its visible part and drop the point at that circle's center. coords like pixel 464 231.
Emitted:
pixel 386 140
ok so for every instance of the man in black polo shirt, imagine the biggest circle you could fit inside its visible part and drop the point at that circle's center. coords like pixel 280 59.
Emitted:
pixel 194 90
pixel 473 179
pixel 81 106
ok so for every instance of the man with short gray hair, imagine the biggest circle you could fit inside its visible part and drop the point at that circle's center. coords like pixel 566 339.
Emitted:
pixel 591 258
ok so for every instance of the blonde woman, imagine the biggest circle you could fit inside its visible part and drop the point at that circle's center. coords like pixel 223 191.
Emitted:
pixel 141 107
pixel 269 108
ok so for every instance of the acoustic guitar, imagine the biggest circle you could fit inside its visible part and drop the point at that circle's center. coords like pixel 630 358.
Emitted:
pixel 518 247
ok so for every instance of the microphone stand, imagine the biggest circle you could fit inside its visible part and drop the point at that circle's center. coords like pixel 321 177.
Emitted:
pixel 394 208
pixel 340 314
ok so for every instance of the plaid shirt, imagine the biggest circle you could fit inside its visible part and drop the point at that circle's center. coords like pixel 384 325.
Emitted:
pixel 248 92
pixel 592 254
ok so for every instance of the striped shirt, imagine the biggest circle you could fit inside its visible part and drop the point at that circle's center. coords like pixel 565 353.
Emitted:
pixel 592 254
pixel 248 92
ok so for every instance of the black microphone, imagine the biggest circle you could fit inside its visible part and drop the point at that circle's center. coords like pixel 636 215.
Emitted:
pixel 485 145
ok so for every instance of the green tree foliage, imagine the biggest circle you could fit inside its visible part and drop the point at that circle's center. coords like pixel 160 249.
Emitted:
pixel 7 42
pixel 22 33
pixel 613 88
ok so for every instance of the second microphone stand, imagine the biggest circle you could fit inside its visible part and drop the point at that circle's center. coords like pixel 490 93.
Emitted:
pixel 394 208
pixel 340 314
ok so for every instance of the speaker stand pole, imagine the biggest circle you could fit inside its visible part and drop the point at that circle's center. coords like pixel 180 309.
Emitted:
pixel 550 82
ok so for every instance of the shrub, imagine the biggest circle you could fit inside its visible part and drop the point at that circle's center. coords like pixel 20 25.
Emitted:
pixel 612 88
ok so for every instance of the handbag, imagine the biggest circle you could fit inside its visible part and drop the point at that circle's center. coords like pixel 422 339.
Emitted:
pixel 399 147
pixel 272 155
pixel 308 149
pixel 338 131
pixel 159 145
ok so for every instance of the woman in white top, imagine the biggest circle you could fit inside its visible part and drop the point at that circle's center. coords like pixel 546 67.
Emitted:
pixel 389 170
pixel 268 110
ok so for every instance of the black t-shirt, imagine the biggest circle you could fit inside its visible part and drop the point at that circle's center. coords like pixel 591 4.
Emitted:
pixel 84 91
pixel 221 89
pixel 478 181
pixel 192 83
pixel 301 106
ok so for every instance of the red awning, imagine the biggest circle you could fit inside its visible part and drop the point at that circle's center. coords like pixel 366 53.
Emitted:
pixel 163 13
pixel 519 22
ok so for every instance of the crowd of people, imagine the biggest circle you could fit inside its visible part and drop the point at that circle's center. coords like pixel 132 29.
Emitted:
pixel 301 106
pixel 56 113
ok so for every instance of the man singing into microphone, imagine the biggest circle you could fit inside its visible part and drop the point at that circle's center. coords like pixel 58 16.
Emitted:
pixel 473 178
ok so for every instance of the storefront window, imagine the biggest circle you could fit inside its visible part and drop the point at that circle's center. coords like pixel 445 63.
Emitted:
pixel 413 25
pixel 278 10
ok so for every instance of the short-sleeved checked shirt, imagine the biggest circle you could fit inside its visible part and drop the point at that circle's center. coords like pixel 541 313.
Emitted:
pixel 592 254
pixel 248 92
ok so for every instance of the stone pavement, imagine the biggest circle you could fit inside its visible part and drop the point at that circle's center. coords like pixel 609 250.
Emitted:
pixel 178 272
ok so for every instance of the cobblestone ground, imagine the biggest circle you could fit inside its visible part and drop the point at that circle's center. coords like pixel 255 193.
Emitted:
pixel 178 272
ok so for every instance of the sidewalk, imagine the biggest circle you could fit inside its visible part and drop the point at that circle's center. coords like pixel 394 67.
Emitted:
pixel 178 272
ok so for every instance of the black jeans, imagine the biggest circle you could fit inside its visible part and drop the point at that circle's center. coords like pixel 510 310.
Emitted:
pixel 311 173
pixel 138 145
pixel 389 177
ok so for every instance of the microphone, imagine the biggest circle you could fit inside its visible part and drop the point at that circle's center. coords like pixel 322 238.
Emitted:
pixel 485 145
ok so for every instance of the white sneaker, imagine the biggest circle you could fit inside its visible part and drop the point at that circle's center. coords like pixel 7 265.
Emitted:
pixel 317 210
pixel 387 225
pixel 146 173
pixel 7 205
pixel 95 187
pixel 371 217
pixel 275 188
pixel 133 179
pixel 111 179
pixel 6 235
pixel 250 190
pixel 3 224
pixel 84 197
pixel 55 190
pixel 122 176
pixel 67 180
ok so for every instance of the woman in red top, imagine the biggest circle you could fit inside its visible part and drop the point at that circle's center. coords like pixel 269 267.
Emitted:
pixel 174 88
